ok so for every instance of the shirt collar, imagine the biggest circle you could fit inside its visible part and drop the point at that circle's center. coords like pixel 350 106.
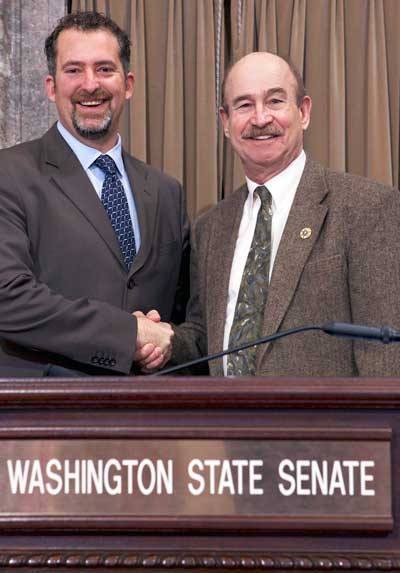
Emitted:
pixel 283 186
pixel 86 154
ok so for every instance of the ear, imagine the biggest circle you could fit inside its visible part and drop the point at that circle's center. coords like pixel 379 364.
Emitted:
pixel 305 112
pixel 129 85
pixel 50 86
pixel 225 121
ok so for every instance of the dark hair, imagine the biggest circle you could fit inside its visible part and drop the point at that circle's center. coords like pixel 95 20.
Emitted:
pixel 300 89
pixel 87 22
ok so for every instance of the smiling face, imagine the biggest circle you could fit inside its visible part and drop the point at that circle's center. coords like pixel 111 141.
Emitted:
pixel 261 116
pixel 90 86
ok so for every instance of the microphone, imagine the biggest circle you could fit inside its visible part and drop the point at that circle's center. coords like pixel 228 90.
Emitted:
pixel 385 334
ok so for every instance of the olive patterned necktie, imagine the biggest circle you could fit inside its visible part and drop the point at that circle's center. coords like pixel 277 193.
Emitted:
pixel 250 304
pixel 116 204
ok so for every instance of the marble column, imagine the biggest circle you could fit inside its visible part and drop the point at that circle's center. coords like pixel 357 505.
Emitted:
pixel 25 112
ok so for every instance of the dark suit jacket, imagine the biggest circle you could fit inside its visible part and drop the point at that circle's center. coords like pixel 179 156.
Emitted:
pixel 347 270
pixel 65 297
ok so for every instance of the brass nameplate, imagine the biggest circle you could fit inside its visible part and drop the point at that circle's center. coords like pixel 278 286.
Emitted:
pixel 258 484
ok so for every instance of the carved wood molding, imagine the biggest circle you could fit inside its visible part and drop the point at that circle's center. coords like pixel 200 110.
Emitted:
pixel 163 393
pixel 268 561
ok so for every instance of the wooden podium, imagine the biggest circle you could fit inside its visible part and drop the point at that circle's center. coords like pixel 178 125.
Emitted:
pixel 171 474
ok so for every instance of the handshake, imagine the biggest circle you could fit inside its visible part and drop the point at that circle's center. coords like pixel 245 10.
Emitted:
pixel 153 342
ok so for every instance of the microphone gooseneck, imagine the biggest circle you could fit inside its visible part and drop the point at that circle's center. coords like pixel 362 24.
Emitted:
pixel 384 334
pixel 236 349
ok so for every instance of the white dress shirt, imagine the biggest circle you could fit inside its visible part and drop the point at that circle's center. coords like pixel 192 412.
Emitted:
pixel 283 188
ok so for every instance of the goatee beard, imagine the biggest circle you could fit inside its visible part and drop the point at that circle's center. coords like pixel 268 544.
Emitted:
pixel 94 132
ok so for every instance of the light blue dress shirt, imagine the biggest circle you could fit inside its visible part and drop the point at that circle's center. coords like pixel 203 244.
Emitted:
pixel 87 155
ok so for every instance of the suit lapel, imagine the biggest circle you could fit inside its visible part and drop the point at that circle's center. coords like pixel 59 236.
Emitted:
pixel 146 201
pixel 308 212
pixel 221 250
pixel 75 184
pixel 70 177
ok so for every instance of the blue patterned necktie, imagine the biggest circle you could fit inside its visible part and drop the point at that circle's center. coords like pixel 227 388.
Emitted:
pixel 115 203
pixel 249 311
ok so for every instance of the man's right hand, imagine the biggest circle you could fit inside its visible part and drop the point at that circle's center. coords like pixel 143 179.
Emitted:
pixel 154 342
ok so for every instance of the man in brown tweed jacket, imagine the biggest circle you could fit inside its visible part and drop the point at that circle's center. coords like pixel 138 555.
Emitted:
pixel 335 241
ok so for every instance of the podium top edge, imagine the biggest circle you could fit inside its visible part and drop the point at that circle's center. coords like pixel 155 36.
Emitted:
pixel 170 392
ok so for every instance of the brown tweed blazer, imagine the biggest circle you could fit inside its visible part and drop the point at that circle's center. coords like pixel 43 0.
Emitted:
pixel 347 270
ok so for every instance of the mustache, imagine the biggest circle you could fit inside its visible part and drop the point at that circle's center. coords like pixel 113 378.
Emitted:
pixel 90 96
pixel 254 131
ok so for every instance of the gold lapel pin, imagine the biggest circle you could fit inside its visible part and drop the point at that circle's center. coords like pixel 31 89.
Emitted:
pixel 305 233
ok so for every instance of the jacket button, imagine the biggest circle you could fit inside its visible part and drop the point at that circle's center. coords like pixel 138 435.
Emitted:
pixel 94 360
pixel 113 362
pixel 131 283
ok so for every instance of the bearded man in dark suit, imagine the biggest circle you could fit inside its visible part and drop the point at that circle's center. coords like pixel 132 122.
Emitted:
pixel 89 234
pixel 297 245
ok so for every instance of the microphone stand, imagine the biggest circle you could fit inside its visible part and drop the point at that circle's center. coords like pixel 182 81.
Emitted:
pixel 237 349
pixel 383 334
